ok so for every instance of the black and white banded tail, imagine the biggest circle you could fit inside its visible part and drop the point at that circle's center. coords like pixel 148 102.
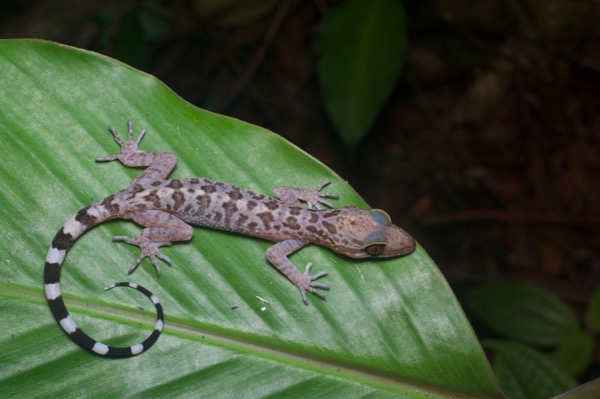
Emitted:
pixel 64 239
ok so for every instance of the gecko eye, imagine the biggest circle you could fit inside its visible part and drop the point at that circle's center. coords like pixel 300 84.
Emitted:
pixel 375 249
pixel 381 217
pixel 375 244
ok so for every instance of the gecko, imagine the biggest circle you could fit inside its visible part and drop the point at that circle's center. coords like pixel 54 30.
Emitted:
pixel 167 209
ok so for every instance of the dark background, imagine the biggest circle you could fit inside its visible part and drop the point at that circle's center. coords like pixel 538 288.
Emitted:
pixel 487 152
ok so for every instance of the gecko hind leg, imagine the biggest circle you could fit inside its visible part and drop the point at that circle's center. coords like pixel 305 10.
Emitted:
pixel 149 250
pixel 129 146
pixel 161 230
pixel 158 164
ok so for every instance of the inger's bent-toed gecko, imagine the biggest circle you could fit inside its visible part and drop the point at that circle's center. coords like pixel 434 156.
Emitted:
pixel 166 208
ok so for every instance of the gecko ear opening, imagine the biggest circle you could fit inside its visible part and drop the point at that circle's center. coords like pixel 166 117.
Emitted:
pixel 381 217
pixel 375 244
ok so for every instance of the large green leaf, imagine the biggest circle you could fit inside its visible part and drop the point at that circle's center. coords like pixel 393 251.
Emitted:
pixel 527 373
pixel 523 311
pixel 575 353
pixel 360 54
pixel 387 329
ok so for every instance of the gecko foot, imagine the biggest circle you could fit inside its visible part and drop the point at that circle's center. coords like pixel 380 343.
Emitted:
pixel 306 282
pixel 127 147
pixel 149 249
pixel 312 196
pixel 315 196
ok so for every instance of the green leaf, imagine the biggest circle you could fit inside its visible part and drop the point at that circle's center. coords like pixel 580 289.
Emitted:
pixel 575 352
pixel 360 54
pixel 390 328
pixel 594 310
pixel 526 373
pixel 522 311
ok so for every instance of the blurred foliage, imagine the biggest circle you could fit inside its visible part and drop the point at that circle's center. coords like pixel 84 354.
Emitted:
pixel 542 347
pixel 233 13
pixel 526 373
pixel 360 54
pixel 522 311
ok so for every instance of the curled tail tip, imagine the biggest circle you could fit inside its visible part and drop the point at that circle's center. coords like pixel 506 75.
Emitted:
pixel 127 284
pixel 64 319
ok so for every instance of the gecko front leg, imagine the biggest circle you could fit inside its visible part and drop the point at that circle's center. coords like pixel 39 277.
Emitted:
pixel 278 256
pixel 278 253
pixel 312 196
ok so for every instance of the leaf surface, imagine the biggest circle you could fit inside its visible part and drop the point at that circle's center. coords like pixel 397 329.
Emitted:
pixel 390 328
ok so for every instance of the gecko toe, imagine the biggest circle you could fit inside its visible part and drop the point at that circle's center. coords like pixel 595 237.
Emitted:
pixel 164 258
pixel 318 275
pixel 326 203
pixel 135 264
pixel 304 299
pixel 315 292
pixel 107 158
pixel 320 286
pixel 155 264
pixel 309 266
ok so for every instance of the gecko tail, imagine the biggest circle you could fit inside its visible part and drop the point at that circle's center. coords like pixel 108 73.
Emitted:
pixel 64 239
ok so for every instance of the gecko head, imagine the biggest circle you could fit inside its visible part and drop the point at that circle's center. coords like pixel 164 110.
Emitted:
pixel 368 234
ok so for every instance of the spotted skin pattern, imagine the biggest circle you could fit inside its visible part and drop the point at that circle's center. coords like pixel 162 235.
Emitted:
pixel 167 208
